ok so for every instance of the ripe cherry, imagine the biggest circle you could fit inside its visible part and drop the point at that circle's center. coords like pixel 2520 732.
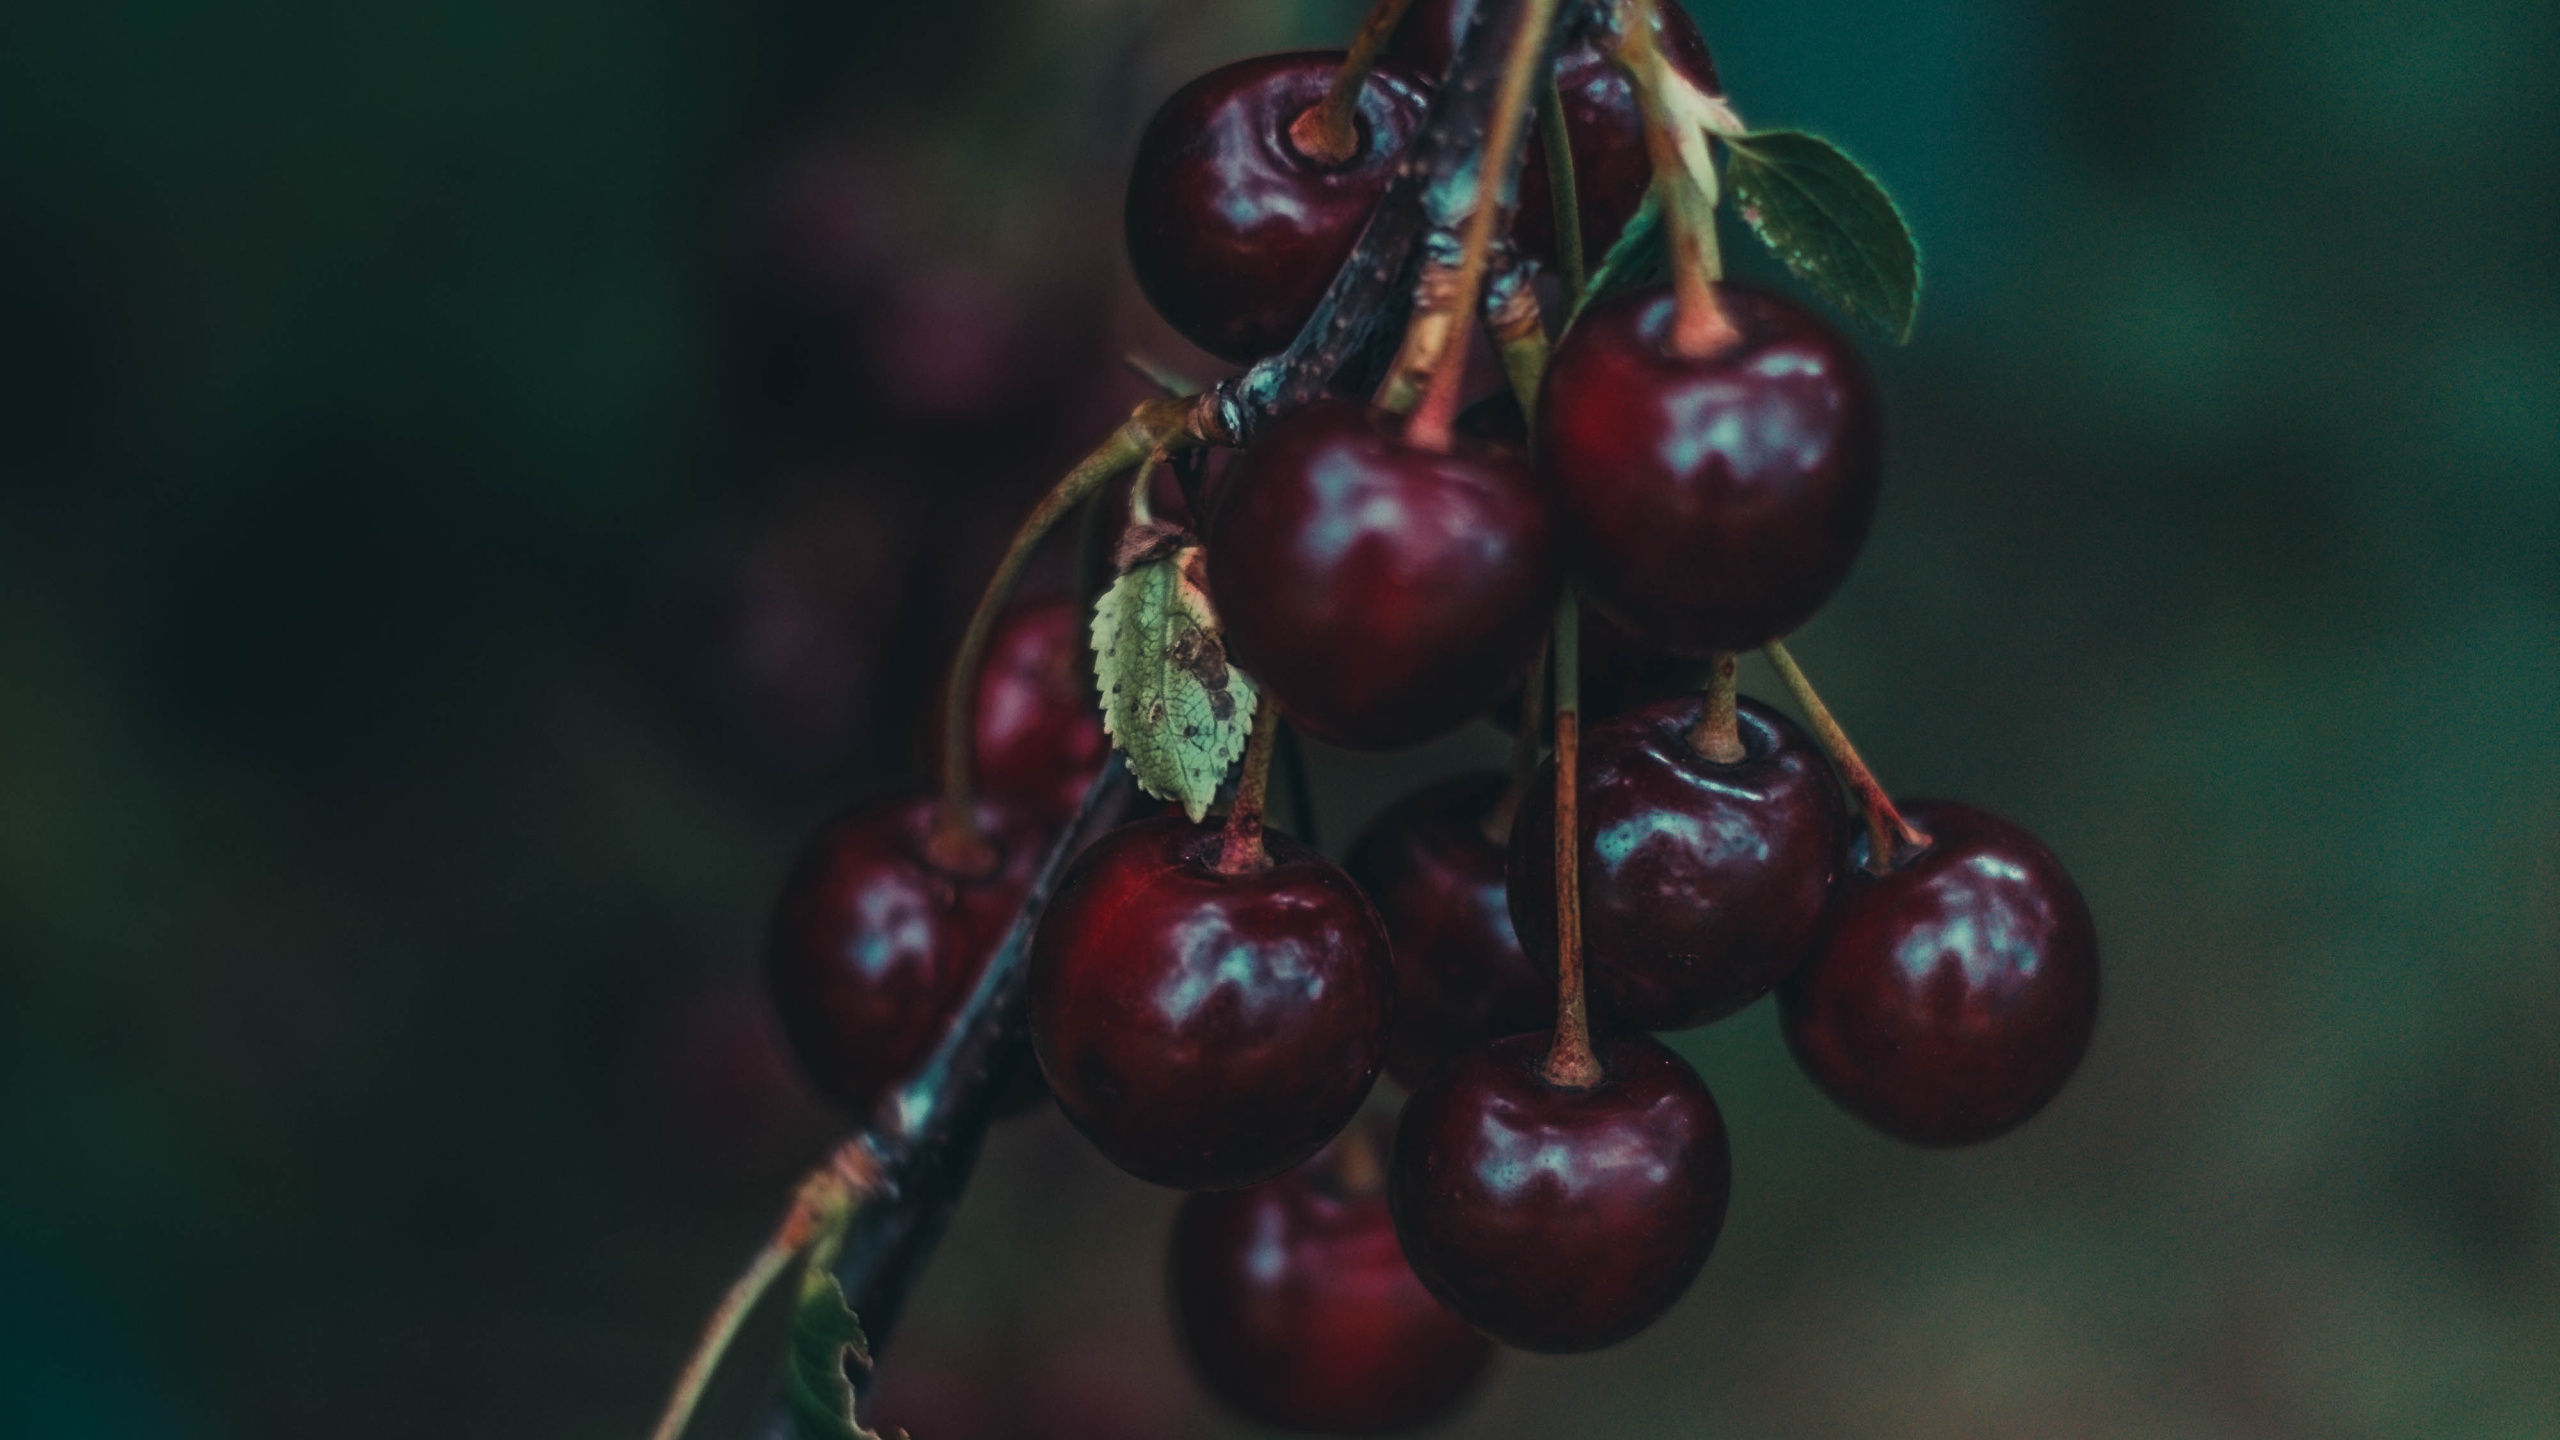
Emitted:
pixel 1610 167
pixel 1559 1219
pixel 1955 995
pixel 1710 505
pixel 1039 732
pixel 1703 884
pixel 1299 1311
pixel 1208 1030
pixel 1234 232
pixel 874 947
pixel 1436 877
pixel 1384 592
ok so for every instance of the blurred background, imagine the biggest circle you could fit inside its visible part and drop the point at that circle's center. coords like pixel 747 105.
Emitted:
pixel 478 481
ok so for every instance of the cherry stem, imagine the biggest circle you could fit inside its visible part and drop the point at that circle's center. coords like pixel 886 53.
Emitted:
pixel 1718 733
pixel 1699 326
pixel 820 1210
pixel 957 845
pixel 1429 428
pixel 1328 132
pixel 1524 750
pixel 1884 823
pixel 1570 1063
pixel 1240 850
pixel 1562 186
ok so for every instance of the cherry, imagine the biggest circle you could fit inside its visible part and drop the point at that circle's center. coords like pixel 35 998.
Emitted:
pixel 1208 1030
pixel 1385 593
pixel 1610 167
pixel 1703 884
pixel 1233 231
pixel 1040 739
pixel 1711 505
pixel 1559 1219
pixel 1437 880
pixel 1299 1311
pixel 874 947
pixel 1954 995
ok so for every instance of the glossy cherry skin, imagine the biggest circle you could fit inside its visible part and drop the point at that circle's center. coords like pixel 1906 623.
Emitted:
pixel 1298 1309
pixel 1234 234
pixel 1204 1030
pixel 1610 167
pixel 1437 880
pixel 1703 884
pixel 1383 592
pixel 1710 504
pixel 1039 730
pixel 1954 996
pixel 873 947
pixel 1560 1220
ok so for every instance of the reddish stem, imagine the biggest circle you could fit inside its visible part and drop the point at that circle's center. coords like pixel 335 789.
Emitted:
pixel 1240 850
pixel 1718 733
pixel 1570 1063
pixel 957 845
pixel 1432 419
pixel 1328 132
pixel 1699 326
pixel 1885 825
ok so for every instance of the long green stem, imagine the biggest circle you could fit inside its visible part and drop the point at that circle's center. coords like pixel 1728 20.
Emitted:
pixel 1562 185
pixel 1885 824
pixel 957 845
pixel 1570 1062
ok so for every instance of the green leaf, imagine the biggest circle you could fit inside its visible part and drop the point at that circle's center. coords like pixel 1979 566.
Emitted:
pixel 1171 701
pixel 1641 255
pixel 827 1345
pixel 1832 224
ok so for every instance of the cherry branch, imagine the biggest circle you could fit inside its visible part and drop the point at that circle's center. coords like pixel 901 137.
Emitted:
pixel 1439 169
pixel 923 1142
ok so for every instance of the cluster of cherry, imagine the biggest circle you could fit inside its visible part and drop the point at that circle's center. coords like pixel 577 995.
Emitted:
pixel 1211 1002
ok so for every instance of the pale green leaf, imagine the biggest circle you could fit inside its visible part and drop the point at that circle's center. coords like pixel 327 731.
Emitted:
pixel 1832 224
pixel 1170 700
pixel 826 1339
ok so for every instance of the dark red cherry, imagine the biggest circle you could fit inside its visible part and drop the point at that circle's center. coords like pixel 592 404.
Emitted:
pixel 1233 232
pixel 1703 884
pixel 1554 1219
pixel 1437 880
pixel 1954 996
pixel 1207 1030
pixel 1040 737
pixel 874 947
pixel 1385 593
pixel 1299 1311
pixel 1710 504
pixel 1610 167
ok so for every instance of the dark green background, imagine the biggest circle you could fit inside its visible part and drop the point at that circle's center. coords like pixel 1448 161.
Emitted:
pixel 361 845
